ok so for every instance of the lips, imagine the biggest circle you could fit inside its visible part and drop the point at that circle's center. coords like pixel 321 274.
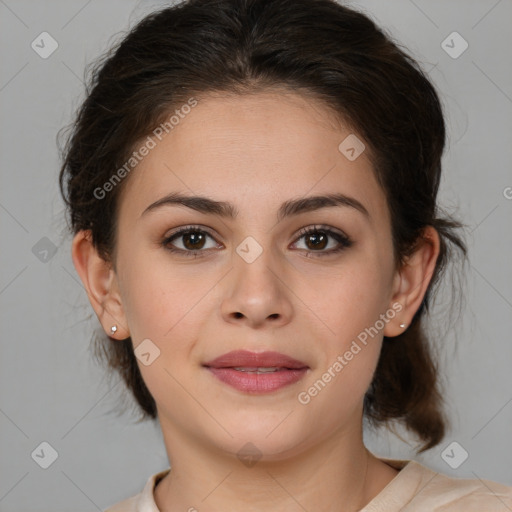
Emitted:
pixel 254 360
pixel 257 373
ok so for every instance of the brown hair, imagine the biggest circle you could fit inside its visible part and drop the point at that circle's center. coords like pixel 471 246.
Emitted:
pixel 314 47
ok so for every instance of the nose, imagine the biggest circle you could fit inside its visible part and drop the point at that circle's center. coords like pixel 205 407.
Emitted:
pixel 256 293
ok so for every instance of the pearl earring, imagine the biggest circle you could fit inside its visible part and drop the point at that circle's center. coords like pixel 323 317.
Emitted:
pixel 113 329
pixel 402 325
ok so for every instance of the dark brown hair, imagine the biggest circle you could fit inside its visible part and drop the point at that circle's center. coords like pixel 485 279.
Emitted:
pixel 315 47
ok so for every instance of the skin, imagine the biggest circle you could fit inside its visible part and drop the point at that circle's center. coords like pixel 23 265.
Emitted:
pixel 257 151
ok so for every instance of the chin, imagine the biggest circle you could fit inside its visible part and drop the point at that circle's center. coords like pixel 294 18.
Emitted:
pixel 266 441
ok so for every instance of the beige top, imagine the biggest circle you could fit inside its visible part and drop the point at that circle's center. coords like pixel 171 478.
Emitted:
pixel 415 488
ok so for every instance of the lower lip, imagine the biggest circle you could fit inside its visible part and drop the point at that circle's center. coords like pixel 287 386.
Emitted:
pixel 258 382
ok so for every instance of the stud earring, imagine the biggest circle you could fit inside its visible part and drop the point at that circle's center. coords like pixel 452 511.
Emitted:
pixel 113 329
pixel 402 325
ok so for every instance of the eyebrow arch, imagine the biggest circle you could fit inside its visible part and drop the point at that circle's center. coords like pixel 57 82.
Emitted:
pixel 287 209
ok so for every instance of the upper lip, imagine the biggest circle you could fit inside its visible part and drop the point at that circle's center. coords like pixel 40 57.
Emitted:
pixel 245 358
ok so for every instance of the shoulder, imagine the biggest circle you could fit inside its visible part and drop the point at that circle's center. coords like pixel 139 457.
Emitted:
pixel 127 505
pixel 420 489
pixel 448 494
pixel 144 500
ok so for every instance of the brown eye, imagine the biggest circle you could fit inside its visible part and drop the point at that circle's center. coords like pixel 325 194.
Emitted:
pixel 191 239
pixel 317 238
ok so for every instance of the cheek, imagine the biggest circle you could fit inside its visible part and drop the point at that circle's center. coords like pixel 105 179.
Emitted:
pixel 334 397
pixel 350 304
pixel 165 306
pixel 159 297
pixel 348 352
pixel 350 299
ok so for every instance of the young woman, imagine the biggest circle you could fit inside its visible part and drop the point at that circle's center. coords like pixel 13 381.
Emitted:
pixel 252 188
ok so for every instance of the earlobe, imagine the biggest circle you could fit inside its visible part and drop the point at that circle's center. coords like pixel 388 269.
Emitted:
pixel 99 280
pixel 413 279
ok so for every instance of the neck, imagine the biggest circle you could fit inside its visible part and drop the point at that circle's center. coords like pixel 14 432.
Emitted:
pixel 337 474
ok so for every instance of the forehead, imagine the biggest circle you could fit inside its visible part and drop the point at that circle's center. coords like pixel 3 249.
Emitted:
pixel 258 150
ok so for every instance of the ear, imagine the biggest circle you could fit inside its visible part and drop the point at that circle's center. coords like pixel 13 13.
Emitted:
pixel 411 281
pixel 100 283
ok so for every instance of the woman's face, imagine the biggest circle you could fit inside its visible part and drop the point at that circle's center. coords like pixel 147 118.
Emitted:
pixel 256 283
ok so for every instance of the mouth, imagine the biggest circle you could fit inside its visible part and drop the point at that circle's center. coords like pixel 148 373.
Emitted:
pixel 254 372
pixel 244 359
pixel 260 370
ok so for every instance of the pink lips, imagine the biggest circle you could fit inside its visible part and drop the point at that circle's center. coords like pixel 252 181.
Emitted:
pixel 254 359
pixel 288 371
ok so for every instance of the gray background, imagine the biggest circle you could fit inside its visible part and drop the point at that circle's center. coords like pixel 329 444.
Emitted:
pixel 50 388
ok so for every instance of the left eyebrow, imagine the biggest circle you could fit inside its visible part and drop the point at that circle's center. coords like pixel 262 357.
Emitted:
pixel 289 208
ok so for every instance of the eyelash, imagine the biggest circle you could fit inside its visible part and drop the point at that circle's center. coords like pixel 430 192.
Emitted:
pixel 342 239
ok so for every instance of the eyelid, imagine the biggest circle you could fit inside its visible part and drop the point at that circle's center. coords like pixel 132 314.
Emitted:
pixel 343 240
pixel 303 231
pixel 186 229
pixel 321 227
